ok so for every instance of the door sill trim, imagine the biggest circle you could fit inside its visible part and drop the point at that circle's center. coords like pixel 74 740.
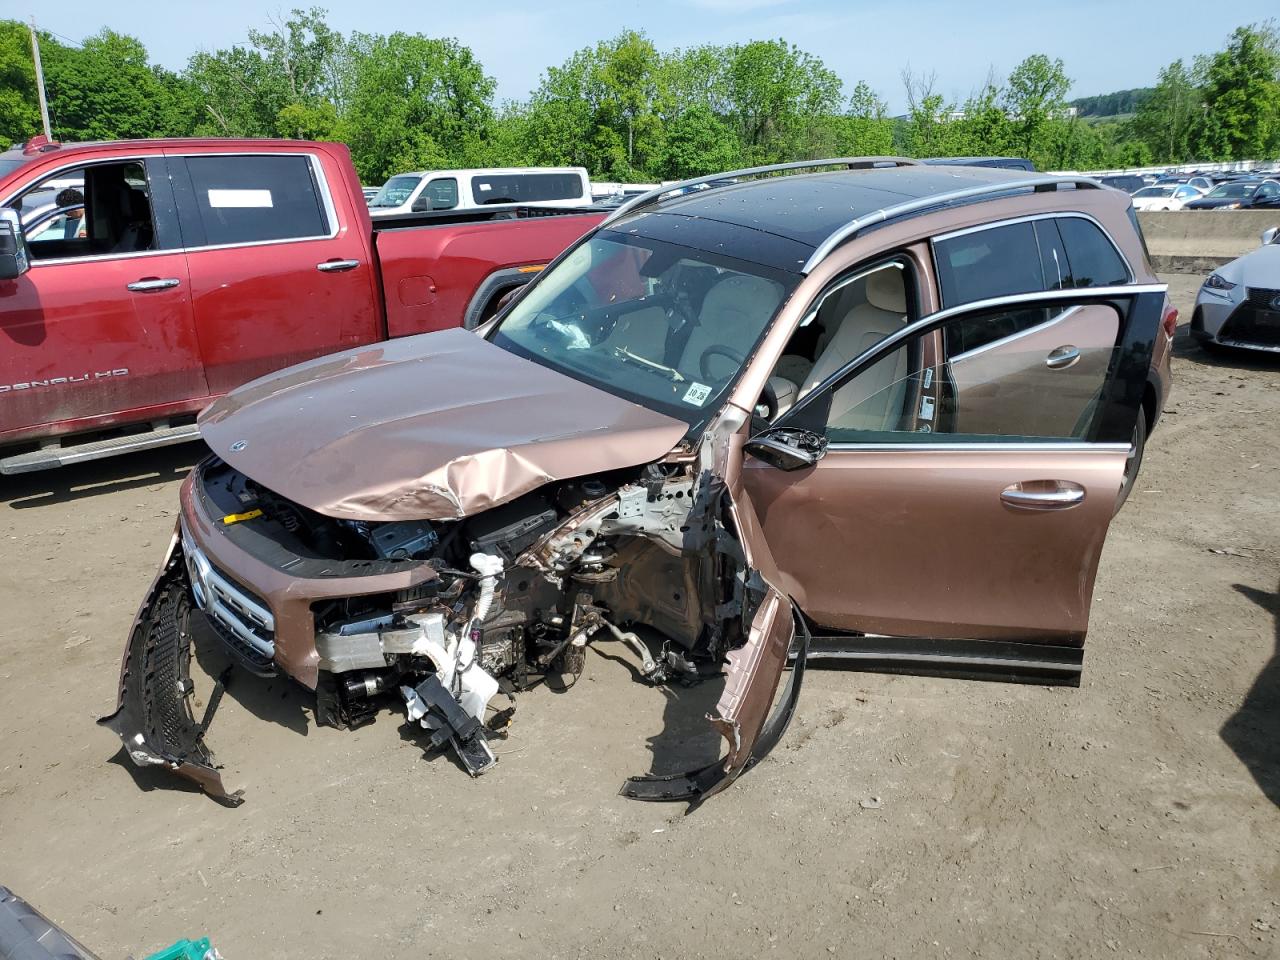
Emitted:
pixel 994 660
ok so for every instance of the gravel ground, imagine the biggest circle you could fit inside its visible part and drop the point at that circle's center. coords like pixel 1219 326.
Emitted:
pixel 1135 816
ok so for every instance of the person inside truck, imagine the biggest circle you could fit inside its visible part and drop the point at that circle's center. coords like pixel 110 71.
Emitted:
pixel 114 215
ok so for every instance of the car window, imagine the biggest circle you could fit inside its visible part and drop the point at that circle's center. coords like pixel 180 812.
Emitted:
pixel 1269 190
pixel 1095 262
pixel 1043 380
pixel 1230 191
pixel 250 199
pixel 525 187
pixel 98 210
pixel 442 192
pixel 1147 192
pixel 667 326
pixel 993 262
pixel 395 191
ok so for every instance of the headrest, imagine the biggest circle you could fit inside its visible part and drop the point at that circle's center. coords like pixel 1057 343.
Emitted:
pixel 886 292
pixel 740 293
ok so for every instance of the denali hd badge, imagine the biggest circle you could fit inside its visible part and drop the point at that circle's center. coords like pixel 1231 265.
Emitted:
pixel 60 381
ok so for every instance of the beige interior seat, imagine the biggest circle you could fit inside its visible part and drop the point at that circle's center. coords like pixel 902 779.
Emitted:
pixel 876 393
pixel 731 316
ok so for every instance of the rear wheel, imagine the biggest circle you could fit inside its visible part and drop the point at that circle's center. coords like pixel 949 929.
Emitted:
pixel 1137 446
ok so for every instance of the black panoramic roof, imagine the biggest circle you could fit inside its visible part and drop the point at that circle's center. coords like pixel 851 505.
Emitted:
pixel 801 211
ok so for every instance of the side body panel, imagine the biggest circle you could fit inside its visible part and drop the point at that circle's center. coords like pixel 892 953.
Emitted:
pixel 431 274
pixel 263 306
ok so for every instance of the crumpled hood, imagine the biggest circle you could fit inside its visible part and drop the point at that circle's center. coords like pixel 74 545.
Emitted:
pixel 432 427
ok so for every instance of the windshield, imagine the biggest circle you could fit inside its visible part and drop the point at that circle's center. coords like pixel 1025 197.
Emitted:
pixel 666 326
pixel 395 191
pixel 1231 191
pixel 1155 192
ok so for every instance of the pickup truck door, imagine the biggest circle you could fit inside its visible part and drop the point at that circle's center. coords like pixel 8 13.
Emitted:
pixel 280 268
pixel 918 545
pixel 100 330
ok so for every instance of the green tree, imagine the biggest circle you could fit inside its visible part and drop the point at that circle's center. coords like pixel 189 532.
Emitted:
pixel 868 128
pixel 1035 93
pixel 19 112
pixel 414 103
pixel 1240 88
pixel 1170 116
pixel 780 100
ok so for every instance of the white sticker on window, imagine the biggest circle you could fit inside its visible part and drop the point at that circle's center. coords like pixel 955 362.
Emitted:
pixel 928 377
pixel 926 408
pixel 240 198
pixel 697 394
pixel 486 186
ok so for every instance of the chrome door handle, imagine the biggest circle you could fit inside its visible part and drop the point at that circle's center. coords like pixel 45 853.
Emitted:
pixel 1060 358
pixel 336 266
pixel 1043 495
pixel 152 283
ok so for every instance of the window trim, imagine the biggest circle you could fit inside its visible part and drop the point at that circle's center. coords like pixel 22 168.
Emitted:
pixel 81 165
pixel 321 182
pixel 1057 215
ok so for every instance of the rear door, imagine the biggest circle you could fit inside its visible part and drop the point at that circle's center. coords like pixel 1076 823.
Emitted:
pixel 276 276
pixel 100 330
pixel 952 529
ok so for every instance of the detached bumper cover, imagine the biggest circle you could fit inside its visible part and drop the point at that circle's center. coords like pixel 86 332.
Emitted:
pixel 153 713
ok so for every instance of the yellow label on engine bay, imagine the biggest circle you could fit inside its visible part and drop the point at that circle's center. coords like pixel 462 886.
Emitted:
pixel 231 518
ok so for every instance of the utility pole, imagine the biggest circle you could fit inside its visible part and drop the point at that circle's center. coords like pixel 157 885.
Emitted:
pixel 44 104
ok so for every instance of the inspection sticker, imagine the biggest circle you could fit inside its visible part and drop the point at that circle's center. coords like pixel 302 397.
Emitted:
pixel 697 393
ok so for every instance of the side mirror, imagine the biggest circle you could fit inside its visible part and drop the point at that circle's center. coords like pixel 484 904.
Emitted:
pixel 788 449
pixel 14 261
pixel 422 204
pixel 1269 235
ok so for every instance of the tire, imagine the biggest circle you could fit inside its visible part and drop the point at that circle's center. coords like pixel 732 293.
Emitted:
pixel 1133 465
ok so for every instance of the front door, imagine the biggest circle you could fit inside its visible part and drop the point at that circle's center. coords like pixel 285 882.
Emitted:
pixel 968 498
pixel 100 330
pixel 275 278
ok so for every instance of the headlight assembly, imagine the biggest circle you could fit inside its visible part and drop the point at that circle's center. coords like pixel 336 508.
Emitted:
pixel 1218 284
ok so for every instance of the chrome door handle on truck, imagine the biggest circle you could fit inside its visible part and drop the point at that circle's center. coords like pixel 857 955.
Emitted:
pixel 334 266
pixel 153 283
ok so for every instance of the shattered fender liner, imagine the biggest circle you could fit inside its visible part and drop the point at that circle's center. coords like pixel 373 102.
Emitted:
pixel 695 786
pixel 153 716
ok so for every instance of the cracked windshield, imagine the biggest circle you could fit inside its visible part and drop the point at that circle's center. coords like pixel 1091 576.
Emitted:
pixel 657 323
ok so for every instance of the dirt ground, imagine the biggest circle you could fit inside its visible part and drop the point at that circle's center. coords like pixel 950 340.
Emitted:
pixel 1138 815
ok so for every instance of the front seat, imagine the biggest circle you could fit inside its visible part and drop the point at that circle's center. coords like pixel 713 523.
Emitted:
pixel 136 232
pixel 877 393
pixel 732 315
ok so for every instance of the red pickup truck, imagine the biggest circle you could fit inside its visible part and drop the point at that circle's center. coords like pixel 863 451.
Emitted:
pixel 163 273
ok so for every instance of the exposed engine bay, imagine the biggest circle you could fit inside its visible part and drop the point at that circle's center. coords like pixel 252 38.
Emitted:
pixel 501 601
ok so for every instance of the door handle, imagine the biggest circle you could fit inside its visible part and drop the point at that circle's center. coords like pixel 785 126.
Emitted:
pixel 1043 495
pixel 1060 358
pixel 336 266
pixel 152 283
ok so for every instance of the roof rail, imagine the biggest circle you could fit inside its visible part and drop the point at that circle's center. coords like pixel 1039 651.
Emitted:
pixel 987 190
pixel 849 163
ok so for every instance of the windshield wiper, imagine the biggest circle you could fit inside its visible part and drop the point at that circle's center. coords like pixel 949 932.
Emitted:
pixel 672 374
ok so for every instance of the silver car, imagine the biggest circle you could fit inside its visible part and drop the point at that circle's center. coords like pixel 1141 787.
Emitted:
pixel 1239 304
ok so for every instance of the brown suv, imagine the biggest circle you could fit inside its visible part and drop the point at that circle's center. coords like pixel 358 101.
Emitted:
pixel 882 414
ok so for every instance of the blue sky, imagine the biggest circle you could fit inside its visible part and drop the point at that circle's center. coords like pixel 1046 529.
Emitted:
pixel 1106 45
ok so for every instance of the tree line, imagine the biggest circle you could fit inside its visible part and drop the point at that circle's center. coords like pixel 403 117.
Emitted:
pixel 623 108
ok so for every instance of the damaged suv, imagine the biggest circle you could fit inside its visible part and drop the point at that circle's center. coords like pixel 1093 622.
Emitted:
pixel 881 414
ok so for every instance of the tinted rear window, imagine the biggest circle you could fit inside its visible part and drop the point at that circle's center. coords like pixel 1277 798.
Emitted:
pixel 526 187
pixel 989 263
pixel 246 199
pixel 1094 259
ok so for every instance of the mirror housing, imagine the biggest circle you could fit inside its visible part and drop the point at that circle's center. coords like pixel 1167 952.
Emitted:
pixel 788 449
pixel 14 259
pixel 1269 235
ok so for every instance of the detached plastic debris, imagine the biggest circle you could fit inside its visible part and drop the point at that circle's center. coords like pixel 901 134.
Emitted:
pixel 187 950
pixel 27 934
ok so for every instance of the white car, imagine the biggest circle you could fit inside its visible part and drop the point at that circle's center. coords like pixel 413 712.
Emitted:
pixel 1165 196
pixel 1239 304
pixel 426 190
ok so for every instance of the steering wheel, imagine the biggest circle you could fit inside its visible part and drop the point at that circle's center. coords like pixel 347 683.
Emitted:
pixel 718 349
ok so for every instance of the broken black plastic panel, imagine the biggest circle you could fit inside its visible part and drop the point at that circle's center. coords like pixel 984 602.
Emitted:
pixel 456 727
